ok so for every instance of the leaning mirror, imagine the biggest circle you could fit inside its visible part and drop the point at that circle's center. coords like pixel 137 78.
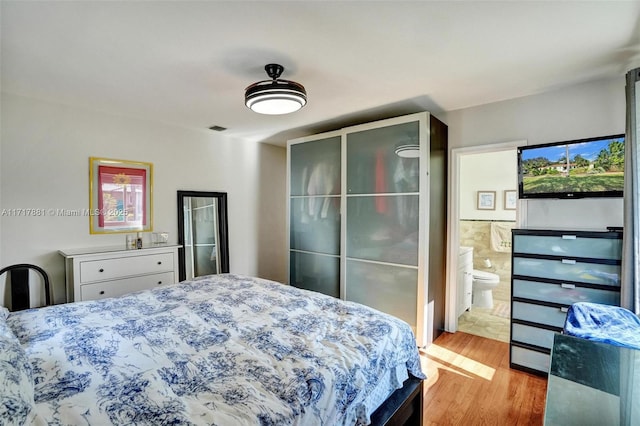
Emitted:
pixel 202 233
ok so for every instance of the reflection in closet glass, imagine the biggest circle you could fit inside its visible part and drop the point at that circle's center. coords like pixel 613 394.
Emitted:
pixel 202 232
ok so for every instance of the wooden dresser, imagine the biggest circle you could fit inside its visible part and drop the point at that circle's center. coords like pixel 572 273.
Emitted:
pixel 97 273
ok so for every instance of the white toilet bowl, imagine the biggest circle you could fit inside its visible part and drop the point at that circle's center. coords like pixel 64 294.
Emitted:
pixel 483 284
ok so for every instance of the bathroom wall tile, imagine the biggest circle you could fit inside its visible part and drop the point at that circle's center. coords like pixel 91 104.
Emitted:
pixel 487 322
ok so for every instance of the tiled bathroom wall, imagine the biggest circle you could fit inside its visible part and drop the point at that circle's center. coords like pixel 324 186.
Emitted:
pixel 476 234
pixel 493 322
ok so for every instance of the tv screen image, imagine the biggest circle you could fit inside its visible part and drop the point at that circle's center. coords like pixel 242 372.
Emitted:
pixel 581 168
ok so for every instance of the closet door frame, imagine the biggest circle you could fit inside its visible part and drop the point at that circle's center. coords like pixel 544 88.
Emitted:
pixel 305 139
pixel 423 332
pixel 423 311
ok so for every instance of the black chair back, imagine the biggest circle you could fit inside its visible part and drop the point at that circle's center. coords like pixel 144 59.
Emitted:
pixel 19 284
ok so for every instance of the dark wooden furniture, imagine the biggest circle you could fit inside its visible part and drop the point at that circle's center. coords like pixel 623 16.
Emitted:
pixel 403 407
pixel 552 269
pixel 19 282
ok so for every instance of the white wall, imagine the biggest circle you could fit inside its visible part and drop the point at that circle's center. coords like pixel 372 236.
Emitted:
pixel 45 154
pixel 581 111
pixel 494 171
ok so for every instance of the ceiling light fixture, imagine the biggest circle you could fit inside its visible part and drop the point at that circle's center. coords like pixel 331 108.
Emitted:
pixel 275 96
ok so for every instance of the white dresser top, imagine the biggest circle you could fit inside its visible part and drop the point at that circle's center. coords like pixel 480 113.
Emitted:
pixel 112 249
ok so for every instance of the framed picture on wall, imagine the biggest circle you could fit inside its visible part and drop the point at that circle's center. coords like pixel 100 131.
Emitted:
pixel 510 199
pixel 486 200
pixel 120 196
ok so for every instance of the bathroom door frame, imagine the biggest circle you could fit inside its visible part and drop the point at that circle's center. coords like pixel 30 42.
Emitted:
pixel 453 221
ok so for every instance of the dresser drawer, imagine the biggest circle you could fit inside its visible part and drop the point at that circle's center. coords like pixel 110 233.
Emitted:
pixel 108 269
pixel 123 286
pixel 568 269
pixel 532 335
pixel 531 359
pixel 540 314
pixel 564 294
pixel 568 245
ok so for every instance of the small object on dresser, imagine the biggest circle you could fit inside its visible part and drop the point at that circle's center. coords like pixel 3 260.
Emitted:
pixel 139 241
pixel 131 242
pixel 158 238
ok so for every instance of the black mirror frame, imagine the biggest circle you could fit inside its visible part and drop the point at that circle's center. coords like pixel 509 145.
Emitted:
pixel 222 228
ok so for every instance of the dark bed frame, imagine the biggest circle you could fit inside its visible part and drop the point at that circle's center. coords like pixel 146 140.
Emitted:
pixel 403 407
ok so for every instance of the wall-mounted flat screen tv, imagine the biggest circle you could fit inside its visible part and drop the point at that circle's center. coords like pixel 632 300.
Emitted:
pixel 581 168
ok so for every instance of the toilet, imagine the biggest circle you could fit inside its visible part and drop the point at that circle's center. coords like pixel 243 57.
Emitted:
pixel 483 284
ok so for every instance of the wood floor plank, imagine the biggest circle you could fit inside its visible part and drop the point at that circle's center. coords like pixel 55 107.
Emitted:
pixel 469 382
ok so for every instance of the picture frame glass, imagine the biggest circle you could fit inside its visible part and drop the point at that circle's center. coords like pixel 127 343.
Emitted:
pixel 486 200
pixel 510 199
pixel 120 196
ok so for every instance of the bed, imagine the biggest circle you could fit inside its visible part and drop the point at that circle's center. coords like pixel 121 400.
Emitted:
pixel 218 350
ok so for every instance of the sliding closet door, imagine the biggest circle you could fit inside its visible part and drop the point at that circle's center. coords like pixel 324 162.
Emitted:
pixel 314 215
pixel 382 218
pixel 360 216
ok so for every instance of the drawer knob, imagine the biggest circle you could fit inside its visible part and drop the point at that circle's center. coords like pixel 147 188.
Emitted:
pixel 159 262
pixel 159 282
pixel 101 270
pixel 101 291
pixel 565 285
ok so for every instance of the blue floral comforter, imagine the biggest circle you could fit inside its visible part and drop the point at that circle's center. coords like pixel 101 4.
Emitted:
pixel 220 350
pixel 603 323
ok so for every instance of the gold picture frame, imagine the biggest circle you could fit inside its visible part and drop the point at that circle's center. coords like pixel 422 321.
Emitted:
pixel 120 196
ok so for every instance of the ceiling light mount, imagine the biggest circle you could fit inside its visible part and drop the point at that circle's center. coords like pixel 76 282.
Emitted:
pixel 274 70
pixel 275 96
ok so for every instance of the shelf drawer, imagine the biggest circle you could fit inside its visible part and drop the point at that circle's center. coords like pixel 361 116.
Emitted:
pixel 109 269
pixel 564 294
pixel 115 288
pixel 568 269
pixel 531 359
pixel 540 314
pixel 532 335
pixel 568 245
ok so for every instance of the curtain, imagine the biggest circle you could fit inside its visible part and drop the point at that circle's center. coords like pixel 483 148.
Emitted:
pixel 630 292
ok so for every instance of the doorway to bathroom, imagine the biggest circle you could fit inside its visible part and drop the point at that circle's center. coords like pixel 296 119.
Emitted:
pixel 483 212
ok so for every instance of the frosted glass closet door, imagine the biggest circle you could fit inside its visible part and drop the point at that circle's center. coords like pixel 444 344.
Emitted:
pixel 382 220
pixel 315 216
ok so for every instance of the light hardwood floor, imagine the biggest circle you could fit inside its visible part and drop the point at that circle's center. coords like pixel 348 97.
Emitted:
pixel 469 382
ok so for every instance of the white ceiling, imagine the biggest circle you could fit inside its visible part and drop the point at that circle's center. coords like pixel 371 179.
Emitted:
pixel 188 63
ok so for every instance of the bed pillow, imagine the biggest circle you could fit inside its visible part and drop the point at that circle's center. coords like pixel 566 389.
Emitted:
pixel 16 380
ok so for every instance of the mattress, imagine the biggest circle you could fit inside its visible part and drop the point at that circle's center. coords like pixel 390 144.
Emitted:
pixel 223 349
